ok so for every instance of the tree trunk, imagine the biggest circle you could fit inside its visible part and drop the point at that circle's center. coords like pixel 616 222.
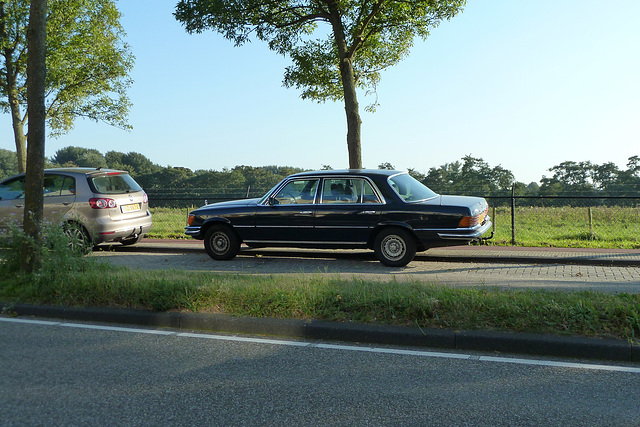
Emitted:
pixel 353 115
pixel 12 94
pixel 349 89
pixel 18 134
pixel 36 73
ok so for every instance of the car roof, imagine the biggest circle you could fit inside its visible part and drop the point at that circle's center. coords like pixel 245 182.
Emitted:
pixel 354 172
pixel 86 171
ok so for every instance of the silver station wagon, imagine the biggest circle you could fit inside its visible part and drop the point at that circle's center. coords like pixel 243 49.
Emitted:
pixel 94 205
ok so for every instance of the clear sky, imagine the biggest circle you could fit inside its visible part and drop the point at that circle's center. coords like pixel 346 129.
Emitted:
pixel 521 84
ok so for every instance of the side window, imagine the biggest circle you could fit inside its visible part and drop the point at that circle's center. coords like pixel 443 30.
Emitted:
pixel 52 185
pixel 368 195
pixel 302 191
pixel 68 186
pixel 59 185
pixel 13 189
pixel 348 190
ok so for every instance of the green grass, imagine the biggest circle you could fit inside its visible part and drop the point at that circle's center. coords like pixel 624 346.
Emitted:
pixel 570 227
pixel 611 227
pixel 334 299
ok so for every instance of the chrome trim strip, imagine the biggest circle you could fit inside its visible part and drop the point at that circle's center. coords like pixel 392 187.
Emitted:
pixel 303 242
pixel 476 234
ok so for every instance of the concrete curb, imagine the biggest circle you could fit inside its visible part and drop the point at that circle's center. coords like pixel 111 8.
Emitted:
pixel 517 343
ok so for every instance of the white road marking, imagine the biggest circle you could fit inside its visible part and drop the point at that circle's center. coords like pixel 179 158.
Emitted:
pixel 338 347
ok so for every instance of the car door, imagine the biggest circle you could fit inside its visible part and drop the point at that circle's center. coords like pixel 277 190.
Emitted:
pixel 348 210
pixel 59 194
pixel 287 215
pixel 12 201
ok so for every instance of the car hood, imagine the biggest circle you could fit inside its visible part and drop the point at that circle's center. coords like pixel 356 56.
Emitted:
pixel 232 203
pixel 475 205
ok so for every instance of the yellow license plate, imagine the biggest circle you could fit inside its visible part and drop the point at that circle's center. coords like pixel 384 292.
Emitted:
pixel 130 208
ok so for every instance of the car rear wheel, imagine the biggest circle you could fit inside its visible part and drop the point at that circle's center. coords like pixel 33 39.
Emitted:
pixel 221 243
pixel 395 247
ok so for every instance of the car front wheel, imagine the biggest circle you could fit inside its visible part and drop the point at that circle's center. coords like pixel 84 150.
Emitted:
pixel 395 247
pixel 221 243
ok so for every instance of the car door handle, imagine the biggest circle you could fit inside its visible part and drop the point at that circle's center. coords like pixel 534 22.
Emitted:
pixel 368 212
pixel 20 206
pixel 306 213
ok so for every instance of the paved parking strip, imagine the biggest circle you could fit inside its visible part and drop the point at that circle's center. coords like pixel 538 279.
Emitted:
pixel 596 270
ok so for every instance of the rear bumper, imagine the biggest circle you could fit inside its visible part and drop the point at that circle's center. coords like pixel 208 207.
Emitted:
pixel 468 234
pixel 115 231
pixel 431 237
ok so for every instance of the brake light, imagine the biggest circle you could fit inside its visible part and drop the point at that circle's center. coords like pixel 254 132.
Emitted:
pixel 102 203
pixel 472 221
pixel 469 221
pixel 145 198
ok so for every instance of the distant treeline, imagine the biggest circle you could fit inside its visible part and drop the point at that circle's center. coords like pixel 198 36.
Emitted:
pixel 470 175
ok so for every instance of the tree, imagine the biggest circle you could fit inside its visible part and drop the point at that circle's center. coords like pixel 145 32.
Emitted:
pixel 87 66
pixel 8 163
pixel 36 71
pixel 78 156
pixel 364 37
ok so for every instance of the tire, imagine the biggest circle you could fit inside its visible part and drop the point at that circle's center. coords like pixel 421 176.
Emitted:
pixel 131 241
pixel 221 243
pixel 395 247
pixel 79 239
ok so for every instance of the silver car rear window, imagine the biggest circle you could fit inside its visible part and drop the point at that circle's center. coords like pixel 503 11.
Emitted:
pixel 114 184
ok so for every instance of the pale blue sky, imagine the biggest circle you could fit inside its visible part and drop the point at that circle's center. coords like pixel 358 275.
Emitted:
pixel 521 84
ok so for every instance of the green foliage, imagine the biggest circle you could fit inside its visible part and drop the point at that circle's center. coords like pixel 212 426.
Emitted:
pixel 8 163
pixel 372 36
pixel 473 176
pixel 586 178
pixel 78 156
pixel 87 63
pixel 58 256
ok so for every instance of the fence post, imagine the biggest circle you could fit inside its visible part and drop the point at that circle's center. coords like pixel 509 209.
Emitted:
pixel 513 215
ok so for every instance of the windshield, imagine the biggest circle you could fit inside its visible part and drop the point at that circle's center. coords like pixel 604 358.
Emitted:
pixel 410 189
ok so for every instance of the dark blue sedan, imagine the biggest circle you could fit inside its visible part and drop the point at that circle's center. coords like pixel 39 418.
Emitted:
pixel 387 211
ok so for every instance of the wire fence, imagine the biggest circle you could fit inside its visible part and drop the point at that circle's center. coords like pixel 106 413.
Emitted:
pixel 551 221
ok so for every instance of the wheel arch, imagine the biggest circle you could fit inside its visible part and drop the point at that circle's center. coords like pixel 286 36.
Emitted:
pixel 387 225
pixel 218 221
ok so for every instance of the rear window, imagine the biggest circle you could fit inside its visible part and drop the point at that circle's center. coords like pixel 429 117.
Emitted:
pixel 114 184
pixel 410 189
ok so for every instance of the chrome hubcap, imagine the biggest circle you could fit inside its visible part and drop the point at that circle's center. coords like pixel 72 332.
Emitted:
pixel 393 247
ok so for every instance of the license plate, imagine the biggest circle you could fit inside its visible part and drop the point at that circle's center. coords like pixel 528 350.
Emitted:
pixel 130 208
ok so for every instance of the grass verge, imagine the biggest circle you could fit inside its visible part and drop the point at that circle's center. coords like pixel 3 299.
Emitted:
pixel 67 278
pixel 334 299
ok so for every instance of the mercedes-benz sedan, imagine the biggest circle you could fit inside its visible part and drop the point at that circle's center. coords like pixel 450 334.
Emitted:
pixel 387 211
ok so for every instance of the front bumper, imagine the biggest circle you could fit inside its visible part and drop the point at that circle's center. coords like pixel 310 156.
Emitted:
pixel 193 231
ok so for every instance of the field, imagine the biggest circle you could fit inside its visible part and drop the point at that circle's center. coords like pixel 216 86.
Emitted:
pixel 574 227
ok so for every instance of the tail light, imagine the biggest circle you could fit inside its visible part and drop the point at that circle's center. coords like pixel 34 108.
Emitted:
pixel 145 198
pixel 472 221
pixel 102 203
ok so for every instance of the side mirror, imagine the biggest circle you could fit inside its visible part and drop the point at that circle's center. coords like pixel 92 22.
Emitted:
pixel 272 201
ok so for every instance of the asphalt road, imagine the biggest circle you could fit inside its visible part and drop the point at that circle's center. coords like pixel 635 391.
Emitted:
pixel 567 269
pixel 54 373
